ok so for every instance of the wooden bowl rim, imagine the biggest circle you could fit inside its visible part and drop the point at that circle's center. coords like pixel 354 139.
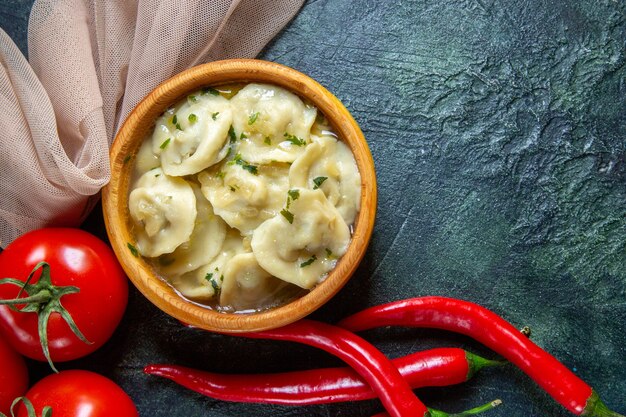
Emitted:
pixel 137 124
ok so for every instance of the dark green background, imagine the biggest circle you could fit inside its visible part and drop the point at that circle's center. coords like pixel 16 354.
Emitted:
pixel 498 129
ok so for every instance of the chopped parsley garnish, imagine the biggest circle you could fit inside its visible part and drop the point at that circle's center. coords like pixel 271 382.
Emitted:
pixel 295 140
pixel 329 253
pixel 253 118
pixel 165 143
pixel 287 215
pixel 318 181
pixel 220 174
pixel 232 134
pixel 253 169
pixel 214 115
pixel 268 140
pixel 216 287
pixel 233 189
pixel 192 98
pixel 192 118
pixel 209 90
pixel 133 250
pixel 127 159
pixel 178 126
pixel 308 261
pixel 213 282
pixel 243 136
pixel 294 194
pixel 175 120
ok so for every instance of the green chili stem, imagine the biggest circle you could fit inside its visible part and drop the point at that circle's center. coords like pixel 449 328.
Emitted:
pixel 596 408
pixel 476 410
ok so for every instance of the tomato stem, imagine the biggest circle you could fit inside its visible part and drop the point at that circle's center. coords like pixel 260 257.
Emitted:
pixel 30 409
pixel 43 299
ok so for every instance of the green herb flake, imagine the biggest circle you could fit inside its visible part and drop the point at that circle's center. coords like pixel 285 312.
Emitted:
pixel 175 120
pixel 295 140
pixel 233 189
pixel 209 90
pixel 253 169
pixel 318 181
pixel 192 118
pixel 192 98
pixel 232 134
pixel 127 159
pixel 243 136
pixel 178 126
pixel 268 141
pixel 214 115
pixel 209 276
pixel 287 215
pixel 308 261
pixel 294 194
pixel 216 287
pixel 165 143
pixel 253 118
pixel 220 174
pixel 329 253
pixel 133 249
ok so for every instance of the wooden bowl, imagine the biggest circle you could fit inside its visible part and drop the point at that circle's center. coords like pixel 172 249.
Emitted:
pixel 141 121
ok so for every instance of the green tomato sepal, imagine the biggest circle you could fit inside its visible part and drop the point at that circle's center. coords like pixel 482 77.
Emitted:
pixel 43 299
pixel 30 409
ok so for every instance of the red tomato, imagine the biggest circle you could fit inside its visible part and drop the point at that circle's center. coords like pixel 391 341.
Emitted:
pixel 13 377
pixel 76 258
pixel 79 394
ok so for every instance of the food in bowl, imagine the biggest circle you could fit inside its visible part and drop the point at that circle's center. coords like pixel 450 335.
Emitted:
pixel 243 197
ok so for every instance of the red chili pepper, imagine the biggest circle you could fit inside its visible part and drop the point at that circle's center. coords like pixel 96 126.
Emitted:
pixel 435 367
pixel 370 363
pixel 494 332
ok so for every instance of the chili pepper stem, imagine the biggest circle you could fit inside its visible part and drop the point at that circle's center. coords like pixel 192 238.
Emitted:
pixel 476 363
pixel 43 299
pixel 471 412
pixel 596 408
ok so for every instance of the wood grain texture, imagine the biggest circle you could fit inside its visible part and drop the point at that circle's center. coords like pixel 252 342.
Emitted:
pixel 141 121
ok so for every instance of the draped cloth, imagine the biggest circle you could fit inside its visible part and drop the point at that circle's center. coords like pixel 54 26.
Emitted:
pixel 90 62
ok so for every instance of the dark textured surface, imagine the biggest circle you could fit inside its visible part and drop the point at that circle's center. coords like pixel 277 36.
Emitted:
pixel 498 129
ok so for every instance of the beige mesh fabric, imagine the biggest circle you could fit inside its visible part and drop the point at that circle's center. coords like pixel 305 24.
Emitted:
pixel 91 62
